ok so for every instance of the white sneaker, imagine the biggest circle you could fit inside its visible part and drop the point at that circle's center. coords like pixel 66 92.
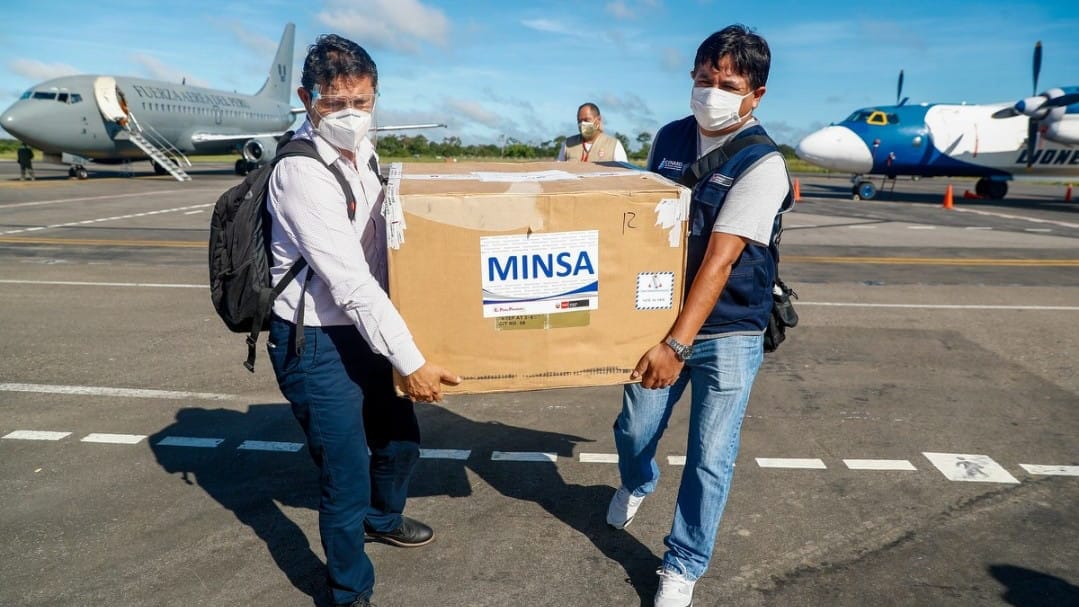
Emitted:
pixel 674 590
pixel 623 508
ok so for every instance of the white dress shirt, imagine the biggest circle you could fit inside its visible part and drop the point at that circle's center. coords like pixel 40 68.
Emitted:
pixel 348 259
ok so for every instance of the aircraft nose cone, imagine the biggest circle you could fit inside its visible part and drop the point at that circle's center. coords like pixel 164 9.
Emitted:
pixel 836 147
pixel 14 121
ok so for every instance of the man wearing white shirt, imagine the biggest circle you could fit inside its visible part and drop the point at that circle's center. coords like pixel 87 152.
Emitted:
pixel 338 378
pixel 591 144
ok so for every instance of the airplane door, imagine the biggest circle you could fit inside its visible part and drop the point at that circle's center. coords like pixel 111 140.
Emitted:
pixel 217 115
pixel 108 99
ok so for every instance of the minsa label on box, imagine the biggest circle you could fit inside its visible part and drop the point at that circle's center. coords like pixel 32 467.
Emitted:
pixel 540 273
pixel 655 290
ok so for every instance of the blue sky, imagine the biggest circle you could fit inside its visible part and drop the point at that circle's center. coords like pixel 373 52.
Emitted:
pixel 520 69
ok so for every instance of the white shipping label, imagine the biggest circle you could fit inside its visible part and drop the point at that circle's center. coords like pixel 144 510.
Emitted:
pixel 540 273
pixel 655 290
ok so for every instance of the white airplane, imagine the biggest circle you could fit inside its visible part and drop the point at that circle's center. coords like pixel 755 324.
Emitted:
pixel 116 119
pixel 1036 137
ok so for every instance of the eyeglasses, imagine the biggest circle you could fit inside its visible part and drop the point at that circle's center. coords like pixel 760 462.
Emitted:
pixel 328 104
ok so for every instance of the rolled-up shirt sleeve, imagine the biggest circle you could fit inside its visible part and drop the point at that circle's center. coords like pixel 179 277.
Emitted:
pixel 310 202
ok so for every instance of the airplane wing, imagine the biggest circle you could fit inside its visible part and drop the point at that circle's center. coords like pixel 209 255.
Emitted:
pixel 204 137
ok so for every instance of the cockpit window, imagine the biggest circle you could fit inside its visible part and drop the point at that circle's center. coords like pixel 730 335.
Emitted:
pixel 62 98
pixel 44 95
pixel 26 95
pixel 75 97
pixel 874 117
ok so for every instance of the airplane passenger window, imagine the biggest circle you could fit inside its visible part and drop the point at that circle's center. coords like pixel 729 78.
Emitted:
pixel 893 118
pixel 44 95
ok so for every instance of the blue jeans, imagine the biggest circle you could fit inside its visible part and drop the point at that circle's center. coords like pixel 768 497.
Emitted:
pixel 721 372
pixel 343 396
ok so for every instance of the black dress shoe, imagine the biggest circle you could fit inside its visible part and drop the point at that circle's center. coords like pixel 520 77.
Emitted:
pixel 409 534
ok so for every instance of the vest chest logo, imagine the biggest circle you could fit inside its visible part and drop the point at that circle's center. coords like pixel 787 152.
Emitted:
pixel 721 179
pixel 673 165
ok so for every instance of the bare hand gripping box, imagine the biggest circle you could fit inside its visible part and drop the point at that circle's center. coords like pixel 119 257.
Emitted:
pixel 522 276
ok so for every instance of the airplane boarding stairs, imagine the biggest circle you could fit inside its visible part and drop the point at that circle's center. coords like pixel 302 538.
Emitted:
pixel 166 156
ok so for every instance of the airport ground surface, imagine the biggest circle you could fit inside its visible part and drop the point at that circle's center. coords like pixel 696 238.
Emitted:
pixel 941 345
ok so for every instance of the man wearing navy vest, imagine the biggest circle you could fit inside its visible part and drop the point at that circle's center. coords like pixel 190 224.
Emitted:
pixel 716 344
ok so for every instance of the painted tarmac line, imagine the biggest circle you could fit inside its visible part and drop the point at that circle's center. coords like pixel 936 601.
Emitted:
pixel 260 445
pixel 114 439
pixel 800 463
pixel 103 219
pixel 969 467
pixel 38 203
pixel 523 456
pixel 676 460
pixel 190 441
pixel 193 212
pixel 1050 470
pixel 1063 224
pixel 837 304
pixel 72 283
pixel 598 458
pixel 977 228
pixel 879 464
pixel 121 392
pixel 36 435
pixel 454 454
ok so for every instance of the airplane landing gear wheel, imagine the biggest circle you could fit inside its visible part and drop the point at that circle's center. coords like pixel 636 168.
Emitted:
pixel 158 169
pixel 991 188
pixel 77 171
pixel 864 190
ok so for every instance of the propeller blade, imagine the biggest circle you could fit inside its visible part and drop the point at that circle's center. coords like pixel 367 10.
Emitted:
pixel 1037 64
pixel 1068 99
pixel 1008 112
pixel 899 88
pixel 1032 140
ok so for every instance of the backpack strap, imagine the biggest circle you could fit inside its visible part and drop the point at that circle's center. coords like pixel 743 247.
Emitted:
pixel 719 156
pixel 306 148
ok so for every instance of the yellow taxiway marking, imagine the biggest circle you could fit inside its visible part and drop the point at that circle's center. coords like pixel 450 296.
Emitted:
pixel 930 261
pixel 912 261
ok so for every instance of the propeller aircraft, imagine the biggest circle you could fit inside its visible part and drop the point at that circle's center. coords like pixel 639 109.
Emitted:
pixel 1035 137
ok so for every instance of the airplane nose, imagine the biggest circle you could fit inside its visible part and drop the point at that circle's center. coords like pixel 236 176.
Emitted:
pixel 838 148
pixel 13 121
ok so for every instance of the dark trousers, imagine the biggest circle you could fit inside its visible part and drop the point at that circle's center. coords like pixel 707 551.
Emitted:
pixel 343 396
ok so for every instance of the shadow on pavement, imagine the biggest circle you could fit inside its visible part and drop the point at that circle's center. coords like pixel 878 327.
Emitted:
pixel 251 484
pixel 1028 588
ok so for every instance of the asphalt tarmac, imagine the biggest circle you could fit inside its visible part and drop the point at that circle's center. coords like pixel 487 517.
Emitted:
pixel 914 442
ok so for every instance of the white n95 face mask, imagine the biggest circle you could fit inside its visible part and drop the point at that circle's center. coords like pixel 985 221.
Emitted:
pixel 345 129
pixel 716 109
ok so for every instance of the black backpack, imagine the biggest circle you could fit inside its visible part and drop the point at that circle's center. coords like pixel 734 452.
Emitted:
pixel 783 314
pixel 240 284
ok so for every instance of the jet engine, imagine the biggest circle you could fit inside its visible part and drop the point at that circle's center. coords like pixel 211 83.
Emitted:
pixel 1064 131
pixel 260 150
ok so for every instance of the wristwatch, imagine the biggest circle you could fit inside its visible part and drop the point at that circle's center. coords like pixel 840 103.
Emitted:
pixel 681 351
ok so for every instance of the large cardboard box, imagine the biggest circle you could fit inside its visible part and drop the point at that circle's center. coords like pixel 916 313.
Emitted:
pixel 521 276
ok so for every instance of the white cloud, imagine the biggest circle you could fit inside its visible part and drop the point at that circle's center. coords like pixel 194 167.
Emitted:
pixel 260 44
pixel 671 59
pixel 620 10
pixel 399 25
pixel 475 112
pixel 158 70
pixel 550 26
pixel 37 71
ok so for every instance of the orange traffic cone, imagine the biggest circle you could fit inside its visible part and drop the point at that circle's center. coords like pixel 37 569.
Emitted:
pixel 1067 194
pixel 948 202
pixel 798 193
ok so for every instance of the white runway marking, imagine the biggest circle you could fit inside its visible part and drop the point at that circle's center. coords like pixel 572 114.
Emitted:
pixel 523 456
pixel 598 458
pixel 807 463
pixel 36 435
pixel 977 228
pixel 115 439
pixel 193 212
pixel 837 304
pixel 1051 470
pixel 676 460
pixel 261 445
pixel 124 392
pixel 457 454
pixel 72 283
pixel 970 468
pixel 190 441
pixel 879 464
pixel 1062 224
pixel 1041 230
pixel 104 219
pixel 109 197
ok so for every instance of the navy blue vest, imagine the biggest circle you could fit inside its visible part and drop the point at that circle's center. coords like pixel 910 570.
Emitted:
pixel 746 301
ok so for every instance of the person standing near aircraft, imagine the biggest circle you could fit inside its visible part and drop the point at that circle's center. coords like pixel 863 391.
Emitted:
pixel 340 383
pixel 591 144
pixel 716 343
pixel 26 162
